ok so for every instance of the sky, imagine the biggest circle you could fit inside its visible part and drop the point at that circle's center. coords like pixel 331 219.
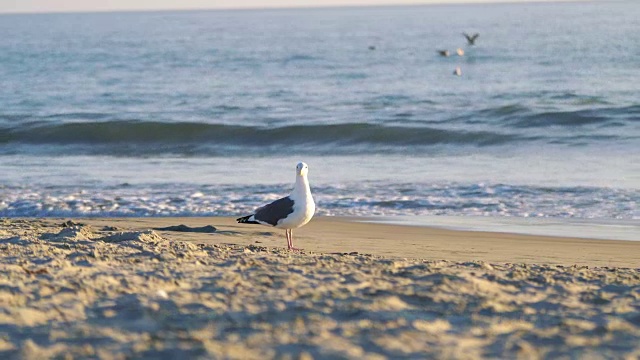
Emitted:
pixel 21 6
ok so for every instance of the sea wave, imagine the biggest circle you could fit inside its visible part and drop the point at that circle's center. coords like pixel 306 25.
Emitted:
pixel 134 132
pixel 509 124
pixel 597 116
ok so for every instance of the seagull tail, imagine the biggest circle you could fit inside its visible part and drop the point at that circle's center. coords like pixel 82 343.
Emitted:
pixel 246 220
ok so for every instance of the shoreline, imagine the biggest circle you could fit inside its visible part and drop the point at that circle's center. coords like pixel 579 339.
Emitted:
pixel 596 229
pixel 350 234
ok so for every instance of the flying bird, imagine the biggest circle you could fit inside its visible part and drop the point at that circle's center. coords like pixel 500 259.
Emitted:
pixel 457 71
pixel 471 39
pixel 290 212
pixel 444 53
pixel 460 52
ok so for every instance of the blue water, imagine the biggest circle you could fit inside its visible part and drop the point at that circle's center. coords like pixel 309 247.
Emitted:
pixel 207 112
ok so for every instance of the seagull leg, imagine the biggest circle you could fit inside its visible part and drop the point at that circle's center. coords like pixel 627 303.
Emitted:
pixel 291 241
pixel 286 233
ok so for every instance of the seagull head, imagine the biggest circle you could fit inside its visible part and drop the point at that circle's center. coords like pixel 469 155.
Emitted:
pixel 302 169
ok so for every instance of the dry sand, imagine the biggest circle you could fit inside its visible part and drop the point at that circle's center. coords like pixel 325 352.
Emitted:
pixel 113 288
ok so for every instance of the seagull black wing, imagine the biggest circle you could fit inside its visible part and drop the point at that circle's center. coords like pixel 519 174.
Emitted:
pixel 275 211
pixel 270 213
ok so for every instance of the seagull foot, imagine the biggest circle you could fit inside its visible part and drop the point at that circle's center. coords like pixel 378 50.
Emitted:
pixel 291 248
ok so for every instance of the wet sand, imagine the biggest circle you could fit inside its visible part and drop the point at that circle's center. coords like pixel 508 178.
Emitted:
pixel 345 235
pixel 115 289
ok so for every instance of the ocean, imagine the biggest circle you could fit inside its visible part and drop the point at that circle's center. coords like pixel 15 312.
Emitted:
pixel 201 113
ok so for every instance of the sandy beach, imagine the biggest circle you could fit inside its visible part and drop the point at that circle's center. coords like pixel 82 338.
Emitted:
pixel 116 289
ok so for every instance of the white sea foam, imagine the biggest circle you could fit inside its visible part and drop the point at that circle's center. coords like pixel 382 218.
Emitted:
pixel 368 199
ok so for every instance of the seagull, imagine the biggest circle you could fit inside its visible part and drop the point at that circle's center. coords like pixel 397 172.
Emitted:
pixel 471 39
pixel 290 212
pixel 460 52
pixel 444 53
pixel 457 71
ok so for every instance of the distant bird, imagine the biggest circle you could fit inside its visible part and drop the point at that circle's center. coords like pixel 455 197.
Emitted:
pixel 371 47
pixel 471 39
pixel 460 52
pixel 444 53
pixel 290 212
pixel 457 71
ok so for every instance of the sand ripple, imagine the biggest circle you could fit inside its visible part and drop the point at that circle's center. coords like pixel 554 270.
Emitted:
pixel 116 294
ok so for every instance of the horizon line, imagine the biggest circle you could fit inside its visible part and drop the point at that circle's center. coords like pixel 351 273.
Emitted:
pixel 289 7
